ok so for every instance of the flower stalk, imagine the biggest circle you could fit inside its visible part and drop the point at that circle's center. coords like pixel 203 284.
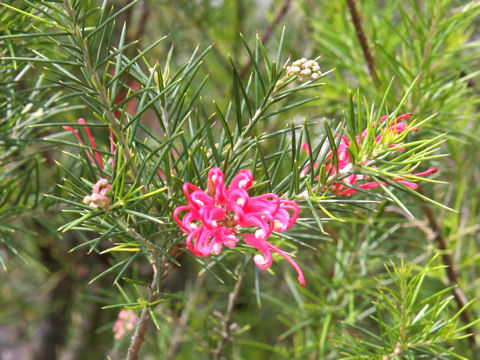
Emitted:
pixel 226 320
pixel 138 337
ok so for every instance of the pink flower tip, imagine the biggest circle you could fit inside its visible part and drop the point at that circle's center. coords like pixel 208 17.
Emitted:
pixel 98 198
pixel 306 148
pixel 432 170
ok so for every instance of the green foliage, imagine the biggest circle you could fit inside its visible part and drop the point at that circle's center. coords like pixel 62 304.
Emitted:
pixel 425 40
pixel 164 109
pixel 408 326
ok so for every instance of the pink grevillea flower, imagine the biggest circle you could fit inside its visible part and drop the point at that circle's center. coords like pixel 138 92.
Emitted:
pixel 221 216
pixel 98 198
pixel 345 165
pixel 125 322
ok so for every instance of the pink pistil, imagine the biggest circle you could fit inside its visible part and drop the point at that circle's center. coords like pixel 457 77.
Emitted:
pixel 307 168
pixel 80 141
pixel 373 184
pixel 92 143
pixel 98 198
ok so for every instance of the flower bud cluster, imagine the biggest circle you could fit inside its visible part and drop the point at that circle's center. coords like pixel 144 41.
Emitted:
pixel 305 69
pixel 98 198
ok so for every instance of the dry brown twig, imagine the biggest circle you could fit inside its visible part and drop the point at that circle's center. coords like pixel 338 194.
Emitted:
pixel 139 336
pixel 154 294
pixel 226 320
pixel 362 39
pixel 460 297
pixel 267 33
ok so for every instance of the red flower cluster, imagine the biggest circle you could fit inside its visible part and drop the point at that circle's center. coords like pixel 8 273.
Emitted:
pixel 344 163
pixel 220 216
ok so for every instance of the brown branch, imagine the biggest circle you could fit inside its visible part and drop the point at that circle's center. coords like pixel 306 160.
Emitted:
pixel 281 13
pixel 226 319
pixel 139 337
pixel 460 297
pixel 126 18
pixel 144 17
pixel 362 39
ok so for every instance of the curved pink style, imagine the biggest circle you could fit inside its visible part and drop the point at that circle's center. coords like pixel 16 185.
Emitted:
pixel 341 187
pixel 220 217
pixel 92 143
pixel 98 198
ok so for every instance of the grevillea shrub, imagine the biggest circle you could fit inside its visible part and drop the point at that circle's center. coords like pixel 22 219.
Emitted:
pixel 239 189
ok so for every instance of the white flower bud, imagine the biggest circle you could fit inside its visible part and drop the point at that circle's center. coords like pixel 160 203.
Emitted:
pixel 309 64
pixel 293 70
pixel 27 108
pixel 242 184
pixel 260 234
pixel 305 69
pixel 259 259
pixel 306 72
